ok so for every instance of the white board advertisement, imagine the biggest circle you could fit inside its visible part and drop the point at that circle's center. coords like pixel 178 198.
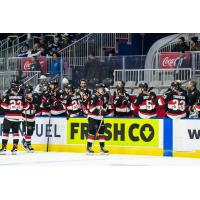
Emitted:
pixel 58 127
pixel 186 135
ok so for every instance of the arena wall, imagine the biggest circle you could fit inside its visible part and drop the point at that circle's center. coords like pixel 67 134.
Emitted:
pixel 155 137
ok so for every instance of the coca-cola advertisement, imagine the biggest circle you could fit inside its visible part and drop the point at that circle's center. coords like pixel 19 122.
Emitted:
pixel 34 64
pixel 168 59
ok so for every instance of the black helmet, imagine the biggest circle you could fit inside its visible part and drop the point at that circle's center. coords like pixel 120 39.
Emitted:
pixel 70 87
pixel 177 86
pixel 53 82
pixel 15 85
pixel 120 88
pixel 173 84
pixel 99 85
pixel 143 86
pixel 85 91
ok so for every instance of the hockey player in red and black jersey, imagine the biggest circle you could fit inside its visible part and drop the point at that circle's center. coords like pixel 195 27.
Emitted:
pixel 13 104
pixel 85 95
pixel 175 102
pixel 29 117
pixel 146 102
pixel 73 102
pixel 108 102
pixel 95 120
pixel 121 102
pixel 56 100
pixel 45 101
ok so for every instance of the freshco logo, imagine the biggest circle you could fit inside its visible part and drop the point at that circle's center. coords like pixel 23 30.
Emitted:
pixel 116 132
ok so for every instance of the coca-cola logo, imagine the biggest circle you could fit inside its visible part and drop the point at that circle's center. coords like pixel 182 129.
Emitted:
pixel 27 65
pixel 169 62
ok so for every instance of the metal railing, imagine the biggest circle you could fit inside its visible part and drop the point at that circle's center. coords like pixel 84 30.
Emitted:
pixel 77 53
pixel 161 76
pixel 7 46
pixel 28 77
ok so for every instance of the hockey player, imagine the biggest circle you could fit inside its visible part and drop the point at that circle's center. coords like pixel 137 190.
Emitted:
pixel 83 87
pixel 108 102
pixel 45 101
pixel 95 120
pixel 84 101
pixel 146 102
pixel 73 102
pixel 13 103
pixel 56 98
pixel 194 97
pixel 42 82
pixel 121 102
pixel 175 102
pixel 29 118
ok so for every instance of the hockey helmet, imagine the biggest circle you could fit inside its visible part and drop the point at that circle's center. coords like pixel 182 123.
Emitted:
pixel 85 92
pixel 177 86
pixel 120 88
pixel 70 88
pixel 15 85
pixel 53 82
pixel 143 86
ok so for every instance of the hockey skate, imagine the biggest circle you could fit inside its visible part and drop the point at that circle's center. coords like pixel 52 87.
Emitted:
pixel 103 151
pixel 29 149
pixel 14 150
pixel 24 144
pixel 89 151
pixel 3 150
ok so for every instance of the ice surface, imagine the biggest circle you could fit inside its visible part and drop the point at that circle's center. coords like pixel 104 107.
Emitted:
pixel 70 159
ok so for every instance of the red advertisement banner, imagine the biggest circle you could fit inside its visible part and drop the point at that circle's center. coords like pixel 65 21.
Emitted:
pixel 27 64
pixel 168 59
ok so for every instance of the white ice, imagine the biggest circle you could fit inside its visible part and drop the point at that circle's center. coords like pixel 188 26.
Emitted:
pixel 76 159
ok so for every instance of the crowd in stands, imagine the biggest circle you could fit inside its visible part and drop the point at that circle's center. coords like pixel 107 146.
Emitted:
pixel 44 47
pixel 181 45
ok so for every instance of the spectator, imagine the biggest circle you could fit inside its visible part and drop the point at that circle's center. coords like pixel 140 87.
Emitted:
pixel 194 45
pixel 55 67
pixel 25 51
pixel 181 45
pixel 44 51
pixel 65 40
pixel 92 70
pixel 35 65
pixel 55 46
pixel 111 64
pixel 181 63
pixel 42 41
pixel 36 50
pixel 20 76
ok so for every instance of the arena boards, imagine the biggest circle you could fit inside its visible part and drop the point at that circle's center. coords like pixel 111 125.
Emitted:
pixel 155 137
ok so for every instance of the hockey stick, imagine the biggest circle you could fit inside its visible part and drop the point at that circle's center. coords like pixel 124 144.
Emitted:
pixel 48 132
pixel 97 133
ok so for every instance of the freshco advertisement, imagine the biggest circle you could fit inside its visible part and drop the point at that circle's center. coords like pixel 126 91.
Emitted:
pixel 120 132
